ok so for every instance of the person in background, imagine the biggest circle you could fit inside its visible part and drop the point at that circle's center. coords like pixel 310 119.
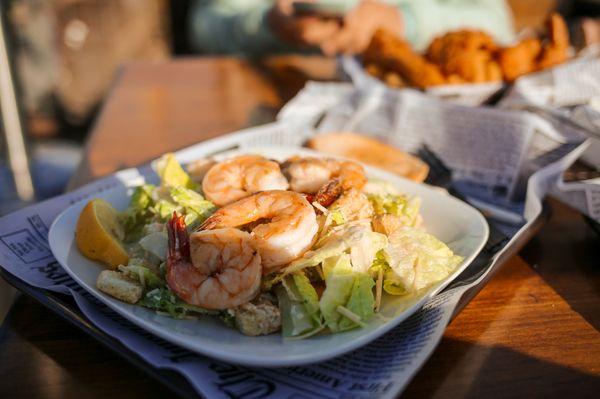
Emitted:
pixel 258 27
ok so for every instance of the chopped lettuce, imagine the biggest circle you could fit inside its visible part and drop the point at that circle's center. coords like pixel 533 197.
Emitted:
pixel 318 256
pixel 392 284
pixel 164 209
pixel 416 259
pixel 172 174
pixel 361 302
pixel 337 216
pixel 157 244
pixel 165 301
pixel 338 287
pixel 297 309
pixel 196 207
pixel 363 251
pixel 188 202
pixel 138 213
pixel 358 239
pixel 142 274
pixel 308 296
pixel 399 205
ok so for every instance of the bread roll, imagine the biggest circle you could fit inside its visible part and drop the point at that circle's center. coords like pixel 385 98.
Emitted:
pixel 371 152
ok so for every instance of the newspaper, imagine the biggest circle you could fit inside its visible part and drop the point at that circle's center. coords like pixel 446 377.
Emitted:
pixel 568 93
pixel 384 367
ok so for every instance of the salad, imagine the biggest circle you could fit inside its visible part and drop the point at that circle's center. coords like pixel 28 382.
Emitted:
pixel 307 246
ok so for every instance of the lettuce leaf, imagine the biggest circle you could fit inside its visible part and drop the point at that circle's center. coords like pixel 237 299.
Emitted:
pixel 164 300
pixel 318 256
pixel 361 302
pixel 156 243
pixel 399 205
pixel 172 174
pixel 338 288
pixel 295 319
pixel 337 216
pixel 196 207
pixel 363 251
pixel 142 274
pixel 392 284
pixel 185 201
pixel 358 239
pixel 164 209
pixel 417 260
pixel 308 296
pixel 139 212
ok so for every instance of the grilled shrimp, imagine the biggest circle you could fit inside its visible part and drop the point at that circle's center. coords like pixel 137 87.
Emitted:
pixel 236 178
pixel 354 205
pixel 308 175
pixel 214 269
pixel 284 225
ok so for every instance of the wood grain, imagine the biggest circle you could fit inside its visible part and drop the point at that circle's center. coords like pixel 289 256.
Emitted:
pixel 533 331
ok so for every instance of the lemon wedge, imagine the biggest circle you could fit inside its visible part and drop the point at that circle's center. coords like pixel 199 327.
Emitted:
pixel 98 234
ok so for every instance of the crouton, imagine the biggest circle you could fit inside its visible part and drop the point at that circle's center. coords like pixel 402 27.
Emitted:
pixel 119 286
pixel 386 224
pixel 259 317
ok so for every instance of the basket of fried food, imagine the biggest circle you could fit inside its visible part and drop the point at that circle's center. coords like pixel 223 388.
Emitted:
pixel 464 57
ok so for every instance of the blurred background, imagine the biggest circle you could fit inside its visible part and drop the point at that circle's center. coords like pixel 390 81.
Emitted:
pixel 64 55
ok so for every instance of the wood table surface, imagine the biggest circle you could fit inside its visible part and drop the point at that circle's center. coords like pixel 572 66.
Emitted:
pixel 533 331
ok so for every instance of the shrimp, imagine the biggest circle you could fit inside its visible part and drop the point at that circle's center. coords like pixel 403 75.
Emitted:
pixel 284 225
pixel 236 178
pixel 354 205
pixel 213 269
pixel 309 175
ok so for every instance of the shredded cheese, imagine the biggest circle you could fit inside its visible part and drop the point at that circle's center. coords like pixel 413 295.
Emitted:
pixel 321 208
pixel 350 315
pixel 290 293
pixel 378 289
pixel 308 334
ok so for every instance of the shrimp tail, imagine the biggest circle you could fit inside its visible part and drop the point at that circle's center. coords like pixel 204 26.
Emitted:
pixel 210 223
pixel 179 241
pixel 328 193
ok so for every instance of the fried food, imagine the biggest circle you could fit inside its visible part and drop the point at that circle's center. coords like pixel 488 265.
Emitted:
pixel 556 50
pixel 463 53
pixel 519 59
pixel 558 33
pixel 464 56
pixel 445 47
pixel 396 55
pixel 371 152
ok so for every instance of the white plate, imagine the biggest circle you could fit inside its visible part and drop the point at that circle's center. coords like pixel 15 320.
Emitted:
pixel 454 222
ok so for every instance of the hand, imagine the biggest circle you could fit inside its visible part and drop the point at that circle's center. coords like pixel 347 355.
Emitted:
pixel 309 31
pixel 360 24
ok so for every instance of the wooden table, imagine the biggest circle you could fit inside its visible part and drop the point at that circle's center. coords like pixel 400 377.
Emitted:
pixel 532 332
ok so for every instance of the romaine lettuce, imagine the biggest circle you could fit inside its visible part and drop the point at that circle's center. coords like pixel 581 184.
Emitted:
pixel 338 286
pixel 358 239
pixel 172 174
pixel 299 316
pixel 417 260
pixel 399 205
pixel 138 213
pixel 361 302
pixel 195 206
pixel 156 243
pixel 142 274
pixel 165 301
pixel 308 296
pixel 392 284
